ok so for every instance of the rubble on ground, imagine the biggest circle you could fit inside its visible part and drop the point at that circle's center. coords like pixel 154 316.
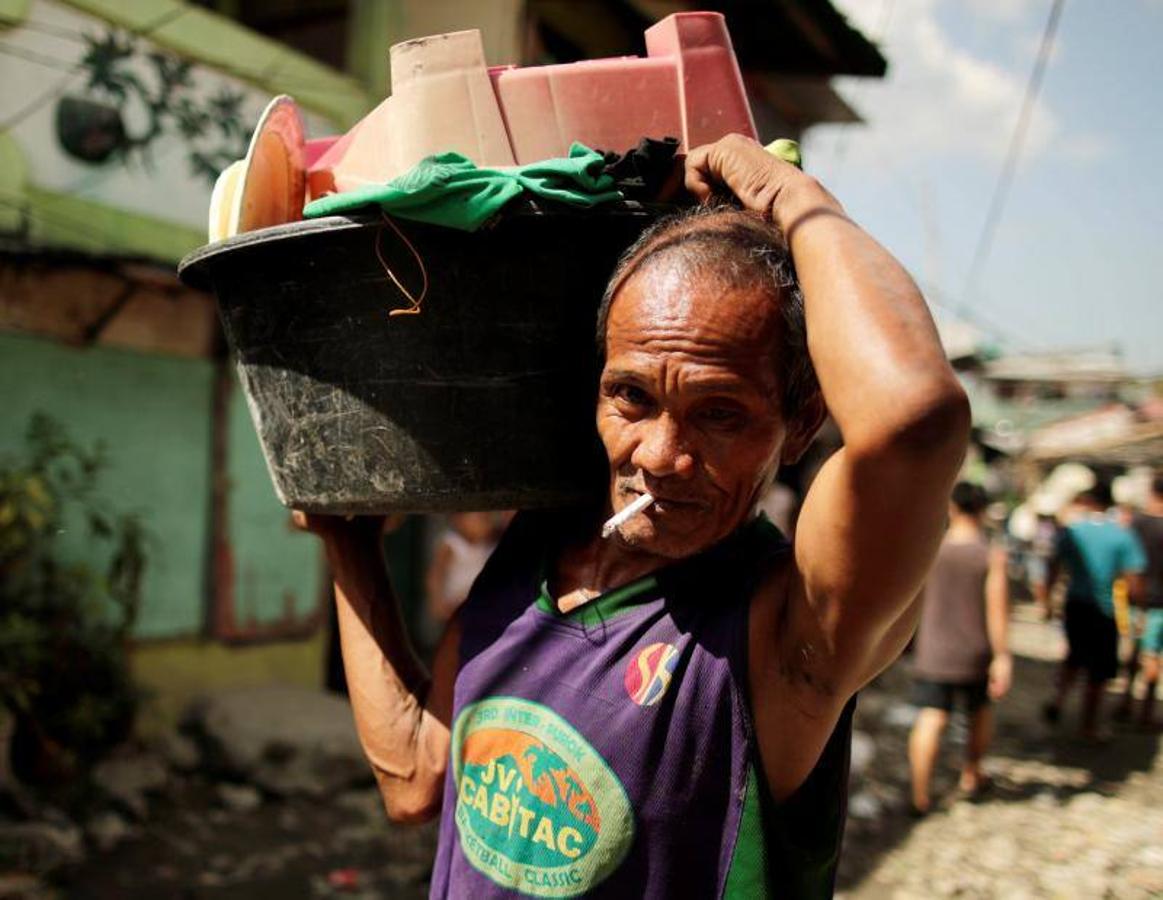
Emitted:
pixel 252 807
pixel 1062 819
pixel 288 741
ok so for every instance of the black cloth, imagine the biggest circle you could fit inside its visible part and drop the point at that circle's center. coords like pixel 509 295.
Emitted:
pixel 945 695
pixel 649 173
pixel 1093 638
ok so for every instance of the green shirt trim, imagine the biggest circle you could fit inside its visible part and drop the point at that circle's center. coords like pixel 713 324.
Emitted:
pixel 747 876
pixel 603 607
pixel 622 599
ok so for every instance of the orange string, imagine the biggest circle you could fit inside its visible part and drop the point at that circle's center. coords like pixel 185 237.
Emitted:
pixel 413 300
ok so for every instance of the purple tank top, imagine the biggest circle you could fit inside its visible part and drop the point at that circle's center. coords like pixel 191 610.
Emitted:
pixel 608 752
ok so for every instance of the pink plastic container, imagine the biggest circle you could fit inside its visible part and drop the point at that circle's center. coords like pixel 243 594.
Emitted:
pixel 320 180
pixel 446 99
pixel 689 87
pixel 608 104
pixel 442 100
pixel 711 93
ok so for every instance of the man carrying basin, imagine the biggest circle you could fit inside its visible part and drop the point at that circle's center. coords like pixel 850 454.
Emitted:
pixel 666 711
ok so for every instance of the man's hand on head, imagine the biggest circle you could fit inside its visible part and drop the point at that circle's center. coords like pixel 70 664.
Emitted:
pixel 761 181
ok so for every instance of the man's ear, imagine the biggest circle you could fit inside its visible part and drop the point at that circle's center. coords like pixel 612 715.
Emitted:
pixel 802 429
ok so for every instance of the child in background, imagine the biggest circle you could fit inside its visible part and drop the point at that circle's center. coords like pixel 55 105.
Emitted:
pixel 460 554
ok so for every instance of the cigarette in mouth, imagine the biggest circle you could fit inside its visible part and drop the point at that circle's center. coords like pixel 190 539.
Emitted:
pixel 617 520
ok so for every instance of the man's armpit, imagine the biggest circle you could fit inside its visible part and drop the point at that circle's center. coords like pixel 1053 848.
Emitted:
pixel 785 642
pixel 802 670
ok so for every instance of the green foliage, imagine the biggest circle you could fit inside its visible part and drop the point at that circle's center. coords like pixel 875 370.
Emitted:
pixel 64 672
pixel 162 86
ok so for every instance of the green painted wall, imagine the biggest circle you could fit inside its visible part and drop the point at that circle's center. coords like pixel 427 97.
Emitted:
pixel 277 571
pixel 153 414
pixel 172 673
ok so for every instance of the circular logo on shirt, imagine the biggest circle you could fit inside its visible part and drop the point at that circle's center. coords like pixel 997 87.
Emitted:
pixel 537 808
pixel 648 675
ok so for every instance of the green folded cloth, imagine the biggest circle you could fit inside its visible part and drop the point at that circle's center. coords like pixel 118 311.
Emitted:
pixel 450 190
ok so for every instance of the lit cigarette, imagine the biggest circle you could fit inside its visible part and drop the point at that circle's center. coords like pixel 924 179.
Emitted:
pixel 617 520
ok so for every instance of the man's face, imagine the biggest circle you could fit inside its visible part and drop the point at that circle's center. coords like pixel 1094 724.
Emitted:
pixel 689 406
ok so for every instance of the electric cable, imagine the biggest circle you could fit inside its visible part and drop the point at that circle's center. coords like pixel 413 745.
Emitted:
pixel 879 35
pixel 237 71
pixel 1009 167
pixel 49 96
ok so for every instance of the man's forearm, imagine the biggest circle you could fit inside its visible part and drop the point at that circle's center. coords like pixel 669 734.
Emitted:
pixel 872 341
pixel 997 607
pixel 387 683
pixel 875 514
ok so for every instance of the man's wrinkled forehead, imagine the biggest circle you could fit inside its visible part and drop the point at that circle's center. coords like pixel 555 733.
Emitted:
pixel 672 311
pixel 671 297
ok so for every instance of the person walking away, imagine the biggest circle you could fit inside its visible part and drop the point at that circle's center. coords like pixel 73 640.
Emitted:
pixel 962 651
pixel 1093 551
pixel 1148 526
pixel 1038 559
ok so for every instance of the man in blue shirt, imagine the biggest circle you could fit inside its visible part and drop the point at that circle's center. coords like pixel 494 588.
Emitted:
pixel 1093 552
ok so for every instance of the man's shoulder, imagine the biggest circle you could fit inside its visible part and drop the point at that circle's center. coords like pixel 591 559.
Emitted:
pixel 1095 531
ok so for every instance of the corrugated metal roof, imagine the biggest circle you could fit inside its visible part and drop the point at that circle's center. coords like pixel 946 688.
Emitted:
pixel 1087 365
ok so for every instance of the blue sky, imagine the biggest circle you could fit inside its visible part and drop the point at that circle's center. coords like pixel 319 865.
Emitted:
pixel 1077 260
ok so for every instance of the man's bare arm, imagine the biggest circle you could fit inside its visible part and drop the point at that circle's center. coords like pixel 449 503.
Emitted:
pixel 401 713
pixel 997 623
pixel 874 516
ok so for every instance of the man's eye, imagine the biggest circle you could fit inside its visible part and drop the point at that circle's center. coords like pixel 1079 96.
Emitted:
pixel 722 416
pixel 631 395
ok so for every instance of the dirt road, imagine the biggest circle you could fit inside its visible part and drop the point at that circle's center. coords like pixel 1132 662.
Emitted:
pixel 1064 819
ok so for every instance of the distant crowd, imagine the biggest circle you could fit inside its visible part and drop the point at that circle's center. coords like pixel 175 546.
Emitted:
pixel 1097 564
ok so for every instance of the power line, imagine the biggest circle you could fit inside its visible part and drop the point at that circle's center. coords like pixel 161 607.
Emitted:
pixel 36 105
pixel 1006 333
pixel 236 70
pixel 879 36
pixel 41 59
pixel 1006 176
pixel 49 96
pixel 20 204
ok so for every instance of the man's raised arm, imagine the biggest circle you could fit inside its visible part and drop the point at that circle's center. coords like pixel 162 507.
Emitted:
pixel 402 715
pixel 874 516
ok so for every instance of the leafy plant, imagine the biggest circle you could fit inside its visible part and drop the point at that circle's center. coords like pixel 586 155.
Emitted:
pixel 64 625
pixel 162 87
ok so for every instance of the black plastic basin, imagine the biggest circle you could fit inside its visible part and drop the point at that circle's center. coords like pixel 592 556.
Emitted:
pixel 484 400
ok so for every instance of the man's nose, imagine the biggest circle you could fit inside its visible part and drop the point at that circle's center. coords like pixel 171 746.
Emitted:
pixel 662 450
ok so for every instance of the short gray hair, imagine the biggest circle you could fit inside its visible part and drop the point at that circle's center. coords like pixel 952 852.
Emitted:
pixel 738 249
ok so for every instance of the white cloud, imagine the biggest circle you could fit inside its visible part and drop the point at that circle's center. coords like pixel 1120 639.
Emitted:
pixel 1004 10
pixel 1026 46
pixel 1086 148
pixel 943 99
